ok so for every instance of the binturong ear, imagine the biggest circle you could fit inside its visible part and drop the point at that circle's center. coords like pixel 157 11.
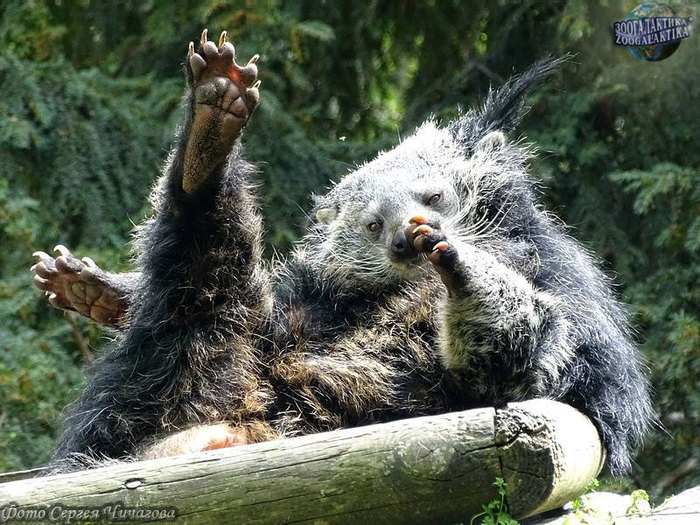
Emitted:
pixel 492 142
pixel 326 215
pixel 503 107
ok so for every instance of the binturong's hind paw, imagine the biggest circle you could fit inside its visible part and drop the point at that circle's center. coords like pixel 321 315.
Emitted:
pixel 429 239
pixel 74 284
pixel 225 95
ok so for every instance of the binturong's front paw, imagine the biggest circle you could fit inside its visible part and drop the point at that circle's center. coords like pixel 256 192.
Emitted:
pixel 78 284
pixel 429 239
pixel 225 94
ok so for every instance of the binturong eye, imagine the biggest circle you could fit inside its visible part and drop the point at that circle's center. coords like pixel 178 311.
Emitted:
pixel 434 199
pixel 374 227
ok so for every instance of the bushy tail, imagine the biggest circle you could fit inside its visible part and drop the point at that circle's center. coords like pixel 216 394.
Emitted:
pixel 612 390
pixel 505 106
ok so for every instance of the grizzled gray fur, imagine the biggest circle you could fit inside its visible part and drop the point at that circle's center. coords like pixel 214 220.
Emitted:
pixel 431 280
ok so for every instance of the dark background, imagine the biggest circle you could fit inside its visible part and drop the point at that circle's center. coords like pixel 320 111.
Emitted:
pixel 90 93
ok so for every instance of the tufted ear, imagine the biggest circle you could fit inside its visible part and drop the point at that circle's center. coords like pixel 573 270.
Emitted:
pixel 492 142
pixel 326 215
pixel 503 107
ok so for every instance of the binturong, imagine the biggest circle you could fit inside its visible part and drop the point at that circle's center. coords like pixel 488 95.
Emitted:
pixel 430 279
pixel 527 312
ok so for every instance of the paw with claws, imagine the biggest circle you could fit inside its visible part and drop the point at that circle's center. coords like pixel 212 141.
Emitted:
pixel 429 239
pixel 78 284
pixel 225 95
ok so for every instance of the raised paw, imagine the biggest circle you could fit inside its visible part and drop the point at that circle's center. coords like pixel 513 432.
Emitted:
pixel 77 284
pixel 427 238
pixel 225 95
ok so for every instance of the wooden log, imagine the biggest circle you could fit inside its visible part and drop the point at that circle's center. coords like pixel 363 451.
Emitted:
pixel 437 469
pixel 21 474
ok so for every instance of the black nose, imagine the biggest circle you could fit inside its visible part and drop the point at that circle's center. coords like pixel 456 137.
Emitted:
pixel 399 244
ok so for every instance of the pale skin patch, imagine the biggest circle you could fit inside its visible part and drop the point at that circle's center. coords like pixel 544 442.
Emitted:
pixel 197 439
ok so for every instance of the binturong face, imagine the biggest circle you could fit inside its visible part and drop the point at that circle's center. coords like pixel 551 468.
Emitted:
pixel 465 178
pixel 359 236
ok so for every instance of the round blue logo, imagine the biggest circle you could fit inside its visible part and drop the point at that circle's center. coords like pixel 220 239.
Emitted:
pixel 652 31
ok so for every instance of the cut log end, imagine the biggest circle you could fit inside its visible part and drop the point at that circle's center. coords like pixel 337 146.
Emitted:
pixel 549 453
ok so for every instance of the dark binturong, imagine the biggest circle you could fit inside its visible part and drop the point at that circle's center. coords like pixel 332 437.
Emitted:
pixel 430 279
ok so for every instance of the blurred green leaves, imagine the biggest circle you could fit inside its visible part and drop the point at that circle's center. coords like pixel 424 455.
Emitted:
pixel 90 99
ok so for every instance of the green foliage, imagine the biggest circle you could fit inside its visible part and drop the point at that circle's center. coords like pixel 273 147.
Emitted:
pixel 68 173
pixel 88 111
pixel 640 502
pixel 577 503
pixel 496 511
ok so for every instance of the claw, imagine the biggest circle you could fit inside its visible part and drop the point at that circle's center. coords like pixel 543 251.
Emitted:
pixel 257 84
pixel 44 269
pixel 65 252
pixel 253 59
pixel 441 246
pixel 418 219
pixel 89 262
pixel 190 50
pixel 423 229
pixel 203 39
pixel 40 282
pixel 42 255
pixel 223 38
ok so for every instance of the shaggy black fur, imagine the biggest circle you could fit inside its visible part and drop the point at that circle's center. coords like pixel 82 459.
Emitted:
pixel 340 334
